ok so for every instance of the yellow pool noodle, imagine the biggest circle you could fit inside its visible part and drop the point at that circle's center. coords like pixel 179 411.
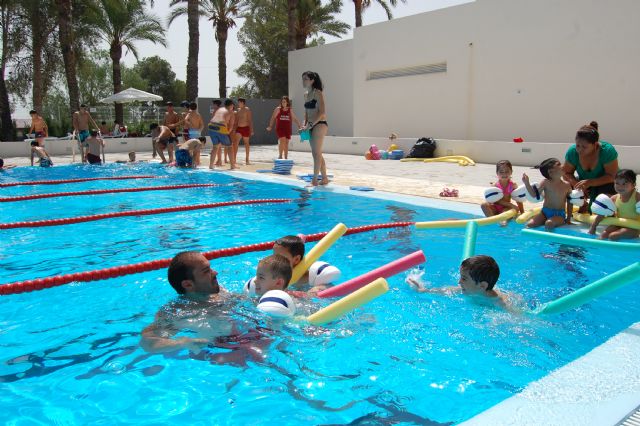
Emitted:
pixel 460 159
pixel 318 250
pixel 348 303
pixel 524 217
pixel 617 221
pixel 436 224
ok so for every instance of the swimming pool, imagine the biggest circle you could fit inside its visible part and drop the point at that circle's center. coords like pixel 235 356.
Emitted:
pixel 70 354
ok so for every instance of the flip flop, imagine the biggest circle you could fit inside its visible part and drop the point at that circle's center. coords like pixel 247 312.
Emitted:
pixel 446 192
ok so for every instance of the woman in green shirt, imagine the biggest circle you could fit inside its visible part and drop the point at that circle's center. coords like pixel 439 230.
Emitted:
pixel 595 161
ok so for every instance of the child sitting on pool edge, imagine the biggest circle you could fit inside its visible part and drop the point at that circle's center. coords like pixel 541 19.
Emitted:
pixel 273 273
pixel 37 150
pixel 504 170
pixel 189 151
pixel 478 277
pixel 626 201
pixel 556 209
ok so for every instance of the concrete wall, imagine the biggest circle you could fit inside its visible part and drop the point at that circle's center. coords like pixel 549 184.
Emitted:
pixel 65 147
pixel 261 109
pixel 490 152
pixel 334 63
pixel 515 68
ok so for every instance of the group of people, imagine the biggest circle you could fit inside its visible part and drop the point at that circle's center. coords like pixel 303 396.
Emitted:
pixel 595 162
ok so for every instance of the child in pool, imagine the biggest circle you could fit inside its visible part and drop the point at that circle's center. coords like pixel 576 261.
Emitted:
pixel 504 170
pixel 478 277
pixel 6 166
pixel 625 200
pixel 38 151
pixel 556 209
pixel 273 273
pixel 292 247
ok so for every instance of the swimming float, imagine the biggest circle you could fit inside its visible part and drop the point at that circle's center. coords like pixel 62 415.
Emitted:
pixel 277 304
pixel 348 303
pixel 318 250
pixel 580 241
pixel 323 273
pixel 460 159
pixel 385 271
pixel 589 292
pixel 436 224
pixel 616 221
pixel 470 236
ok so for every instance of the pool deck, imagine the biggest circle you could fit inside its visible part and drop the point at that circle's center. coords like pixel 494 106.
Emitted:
pixel 599 388
pixel 409 178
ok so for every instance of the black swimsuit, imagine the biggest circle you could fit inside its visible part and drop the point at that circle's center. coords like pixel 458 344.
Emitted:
pixel 312 105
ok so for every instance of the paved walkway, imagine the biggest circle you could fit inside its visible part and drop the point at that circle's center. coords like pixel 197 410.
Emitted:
pixel 413 178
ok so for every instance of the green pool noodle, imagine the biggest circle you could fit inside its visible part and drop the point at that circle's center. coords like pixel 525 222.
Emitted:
pixel 580 241
pixel 597 288
pixel 470 235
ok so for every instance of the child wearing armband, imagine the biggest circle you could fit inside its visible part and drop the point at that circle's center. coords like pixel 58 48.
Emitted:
pixel 627 203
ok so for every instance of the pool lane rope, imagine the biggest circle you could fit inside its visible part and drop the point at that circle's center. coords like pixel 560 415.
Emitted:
pixel 136 268
pixel 61 181
pixel 106 191
pixel 143 212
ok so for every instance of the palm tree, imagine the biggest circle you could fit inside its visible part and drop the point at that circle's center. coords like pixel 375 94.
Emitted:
pixel 292 13
pixel 360 5
pixel 66 38
pixel 122 23
pixel 193 13
pixel 222 14
pixel 315 18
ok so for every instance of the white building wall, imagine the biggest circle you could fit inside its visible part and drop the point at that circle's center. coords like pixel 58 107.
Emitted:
pixel 515 68
pixel 334 64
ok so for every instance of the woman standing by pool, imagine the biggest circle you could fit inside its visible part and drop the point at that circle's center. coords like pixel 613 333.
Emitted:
pixel 595 161
pixel 315 119
pixel 283 116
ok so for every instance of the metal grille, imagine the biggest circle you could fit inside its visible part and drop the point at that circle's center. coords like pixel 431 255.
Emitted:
pixel 633 419
pixel 407 71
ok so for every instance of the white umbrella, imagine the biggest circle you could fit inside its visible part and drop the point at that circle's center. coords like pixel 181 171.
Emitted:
pixel 131 95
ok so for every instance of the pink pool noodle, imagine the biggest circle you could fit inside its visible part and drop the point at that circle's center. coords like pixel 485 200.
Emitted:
pixel 385 271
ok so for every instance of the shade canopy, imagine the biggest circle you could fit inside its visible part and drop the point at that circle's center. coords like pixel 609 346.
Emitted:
pixel 131 95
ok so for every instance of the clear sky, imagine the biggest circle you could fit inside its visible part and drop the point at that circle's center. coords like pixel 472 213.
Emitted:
pixel 177 35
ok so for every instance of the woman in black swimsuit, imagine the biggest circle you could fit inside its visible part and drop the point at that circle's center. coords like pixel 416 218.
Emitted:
pixel 315 120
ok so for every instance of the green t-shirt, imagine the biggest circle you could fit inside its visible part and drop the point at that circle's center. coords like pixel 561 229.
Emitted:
pixel 607 154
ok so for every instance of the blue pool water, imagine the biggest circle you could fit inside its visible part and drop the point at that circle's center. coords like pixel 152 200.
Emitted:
pixel 70 355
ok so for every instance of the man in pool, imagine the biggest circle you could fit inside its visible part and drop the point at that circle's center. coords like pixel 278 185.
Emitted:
pixel 191 276
pixel 203 309
pixel 478 277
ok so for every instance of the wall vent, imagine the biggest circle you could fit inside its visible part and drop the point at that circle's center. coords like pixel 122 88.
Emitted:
pixel 407 71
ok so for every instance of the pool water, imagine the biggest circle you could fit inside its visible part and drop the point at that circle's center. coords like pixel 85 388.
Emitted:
pixel 70 354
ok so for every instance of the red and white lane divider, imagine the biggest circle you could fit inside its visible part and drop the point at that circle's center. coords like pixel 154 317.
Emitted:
pixel 136 268
pixel 105 191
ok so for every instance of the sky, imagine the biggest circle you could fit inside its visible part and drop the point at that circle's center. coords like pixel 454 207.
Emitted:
pixel 177 36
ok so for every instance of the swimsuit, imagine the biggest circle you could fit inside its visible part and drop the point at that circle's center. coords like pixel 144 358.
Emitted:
pixel 244 131
pixel 183 158
pixel 219 134
pixel 499 208
pixel 82 136
pixel 627 210
pixel 94 159
pixel 45 162
pixel 550 213
pixel 283 124
pixel 194 133
pixel 312 104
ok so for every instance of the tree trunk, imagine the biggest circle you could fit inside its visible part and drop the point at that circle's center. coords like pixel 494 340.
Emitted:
pixel 6 131
pixel 301 40
pixel 116 55
pixel 65 36
pixel 358 7
pixel 37 42
pixel 292 15
pixel 221 35
pixel 194 46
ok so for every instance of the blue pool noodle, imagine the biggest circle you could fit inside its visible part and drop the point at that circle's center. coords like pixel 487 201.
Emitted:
pixel 597 288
